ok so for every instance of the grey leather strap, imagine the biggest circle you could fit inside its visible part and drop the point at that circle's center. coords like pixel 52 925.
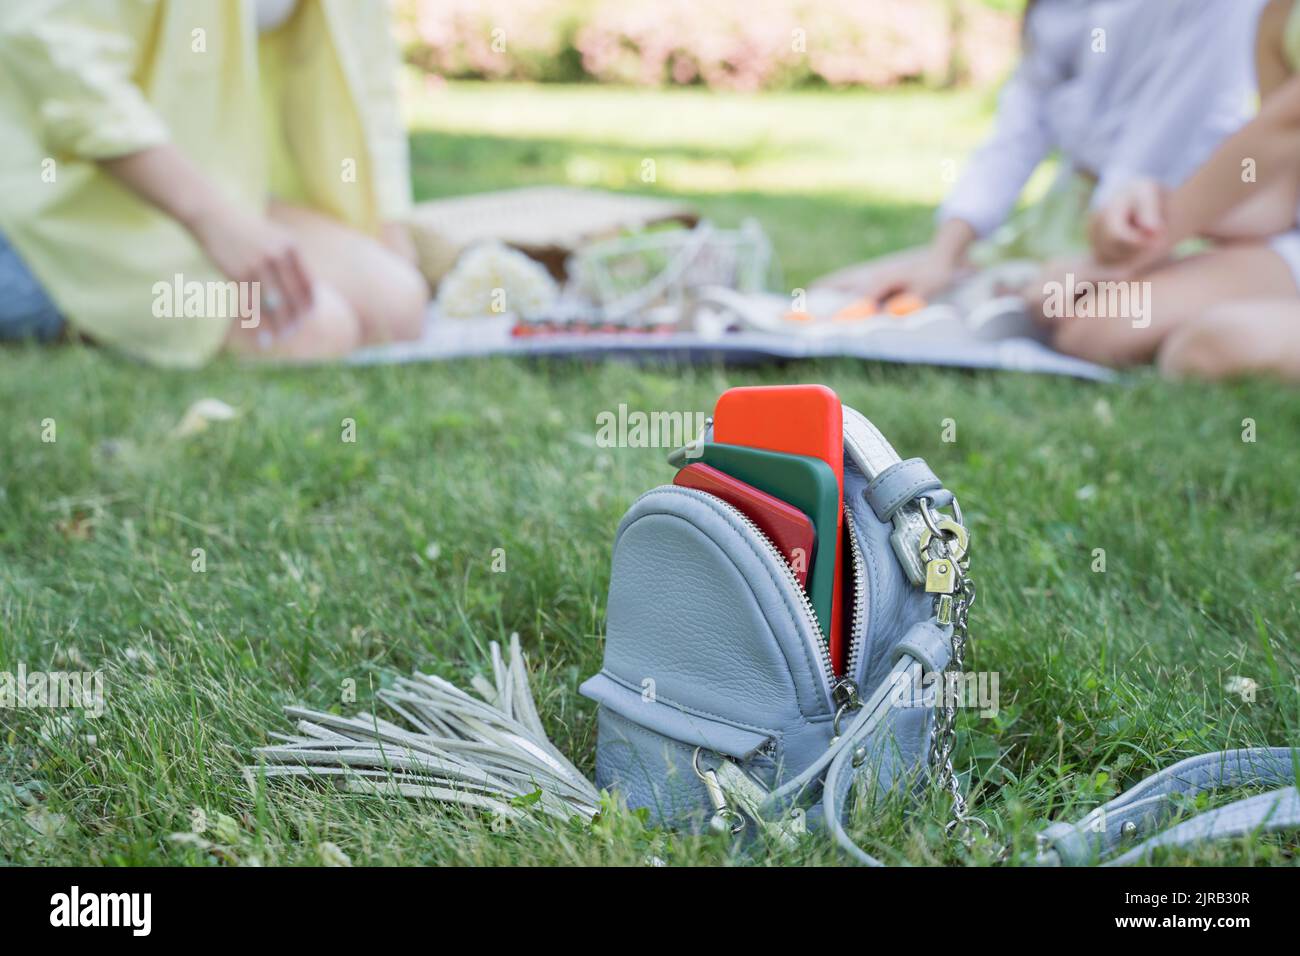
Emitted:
pixel 1123 819
pixel 1140 810
pixel 900 484
pixel 1148 805
pixel 925 648
pixel 928 642
pixel 792 790
pixel 889 691
pixel 1265 812
pixel 852 754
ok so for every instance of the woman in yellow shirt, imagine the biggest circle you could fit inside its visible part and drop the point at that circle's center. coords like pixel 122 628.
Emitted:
pixel 182 176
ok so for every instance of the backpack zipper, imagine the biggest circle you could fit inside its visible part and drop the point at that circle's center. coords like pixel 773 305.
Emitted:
pixel 858 633
pixel 843 692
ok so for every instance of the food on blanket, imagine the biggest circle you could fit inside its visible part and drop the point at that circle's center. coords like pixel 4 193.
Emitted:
pixel 905 303
pixel 491 279
pixel 528 328
pixel 857 311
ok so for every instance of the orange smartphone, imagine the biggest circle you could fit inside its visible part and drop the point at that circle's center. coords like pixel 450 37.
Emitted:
pixel 798 420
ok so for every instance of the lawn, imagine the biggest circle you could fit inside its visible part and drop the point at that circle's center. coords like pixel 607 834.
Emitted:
pixel 326 561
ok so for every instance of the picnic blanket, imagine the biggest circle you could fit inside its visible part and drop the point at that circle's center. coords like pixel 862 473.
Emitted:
pixel 695 294
pixel 446 339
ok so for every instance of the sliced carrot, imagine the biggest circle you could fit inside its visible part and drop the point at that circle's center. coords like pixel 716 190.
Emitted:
pixel 905 303
pixel 856 311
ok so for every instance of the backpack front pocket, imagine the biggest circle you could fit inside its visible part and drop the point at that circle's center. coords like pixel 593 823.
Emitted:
pixel 648 750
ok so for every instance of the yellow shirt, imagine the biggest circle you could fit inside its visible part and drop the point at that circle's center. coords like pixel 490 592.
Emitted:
pixel 81 82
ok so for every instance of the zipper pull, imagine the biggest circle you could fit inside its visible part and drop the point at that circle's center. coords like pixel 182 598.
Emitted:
pixel 725 819
pixel 845 695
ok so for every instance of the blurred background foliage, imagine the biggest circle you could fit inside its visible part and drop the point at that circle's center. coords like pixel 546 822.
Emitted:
pixel 740 45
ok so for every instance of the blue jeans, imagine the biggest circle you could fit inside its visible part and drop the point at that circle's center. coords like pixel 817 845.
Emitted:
pixel 26 309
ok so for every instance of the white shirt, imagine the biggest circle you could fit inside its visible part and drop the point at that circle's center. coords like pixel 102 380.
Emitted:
pixel 1121 88
pixel 272 14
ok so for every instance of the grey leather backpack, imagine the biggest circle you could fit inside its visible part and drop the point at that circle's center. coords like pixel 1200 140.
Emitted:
pixel 718 706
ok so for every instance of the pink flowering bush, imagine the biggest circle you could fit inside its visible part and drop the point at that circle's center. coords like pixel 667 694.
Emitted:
pixel 491 39
pixel 741 45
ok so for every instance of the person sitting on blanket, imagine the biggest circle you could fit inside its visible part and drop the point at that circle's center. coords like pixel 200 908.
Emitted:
pixel 1234 309
pixel 183 176
pixel 1119 89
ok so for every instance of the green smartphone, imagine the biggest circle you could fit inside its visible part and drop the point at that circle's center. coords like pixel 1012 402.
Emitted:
pixel 808 484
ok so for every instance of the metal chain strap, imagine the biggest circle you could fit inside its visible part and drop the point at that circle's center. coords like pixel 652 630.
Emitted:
pixel 954 609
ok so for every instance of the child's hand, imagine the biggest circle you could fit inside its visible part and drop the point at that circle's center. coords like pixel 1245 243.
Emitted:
pixel 1131 226
pixel 924 276
pixel 924 279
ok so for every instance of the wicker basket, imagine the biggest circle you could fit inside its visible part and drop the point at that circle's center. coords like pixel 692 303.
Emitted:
pixel 548 223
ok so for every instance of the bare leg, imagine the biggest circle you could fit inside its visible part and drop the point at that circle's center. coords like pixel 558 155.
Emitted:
pixel 387 293
pixel 1269 211
pixel 1241 338
pixel 330 330
pixel 1179 293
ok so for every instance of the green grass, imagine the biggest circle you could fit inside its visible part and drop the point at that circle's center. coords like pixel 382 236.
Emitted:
pixel 329 561
pixel 832 177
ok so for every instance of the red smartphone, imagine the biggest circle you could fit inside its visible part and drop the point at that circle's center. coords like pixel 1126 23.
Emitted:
pixel 798 420
pixel 789 528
